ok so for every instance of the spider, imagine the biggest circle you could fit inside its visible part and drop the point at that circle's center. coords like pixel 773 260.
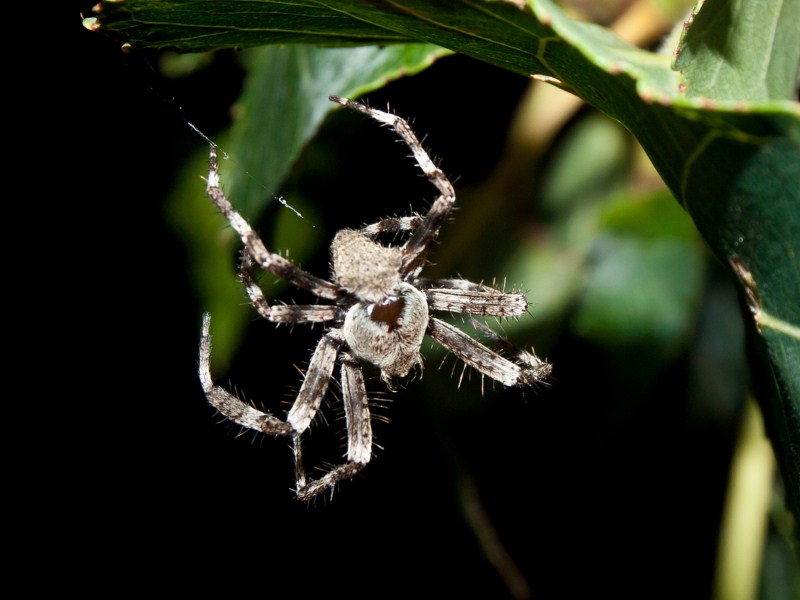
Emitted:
pixel 379 313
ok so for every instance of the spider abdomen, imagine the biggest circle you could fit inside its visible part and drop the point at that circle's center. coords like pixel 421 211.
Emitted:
pixel 389 333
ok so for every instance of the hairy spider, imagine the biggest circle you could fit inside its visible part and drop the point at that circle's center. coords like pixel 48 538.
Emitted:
pixel 378 313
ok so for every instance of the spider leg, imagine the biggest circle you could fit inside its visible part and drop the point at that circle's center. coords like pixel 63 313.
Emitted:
pixel 392 225
pixel 265 259
pixel 284 313
pixel 461 296
pixel 356 406
pixel 456 284
pixel 307 491
pixel 315 384
pixel 305 407
pixel 228 404
pixel 415 250
pixel 528 359
pixel 359 434
pixel 486 361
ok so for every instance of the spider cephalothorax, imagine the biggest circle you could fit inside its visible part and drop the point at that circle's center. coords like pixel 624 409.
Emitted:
pixel 387 324
pixel 379 313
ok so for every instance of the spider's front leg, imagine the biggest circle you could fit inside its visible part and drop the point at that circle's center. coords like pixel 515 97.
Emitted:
pixel 426 228
pixel 255 247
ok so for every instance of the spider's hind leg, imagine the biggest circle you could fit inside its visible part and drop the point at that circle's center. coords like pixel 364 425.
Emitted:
pixel 309 398
pixel 359 434
pixel 527 370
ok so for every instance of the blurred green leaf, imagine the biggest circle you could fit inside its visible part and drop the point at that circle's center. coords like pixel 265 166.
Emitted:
pixel 741 51
pixel 641 289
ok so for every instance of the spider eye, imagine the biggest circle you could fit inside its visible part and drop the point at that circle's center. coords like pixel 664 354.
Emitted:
pixel 388 311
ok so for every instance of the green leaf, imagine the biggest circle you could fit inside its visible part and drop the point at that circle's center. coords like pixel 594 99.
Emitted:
pixel 741 51
pixel 497 32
